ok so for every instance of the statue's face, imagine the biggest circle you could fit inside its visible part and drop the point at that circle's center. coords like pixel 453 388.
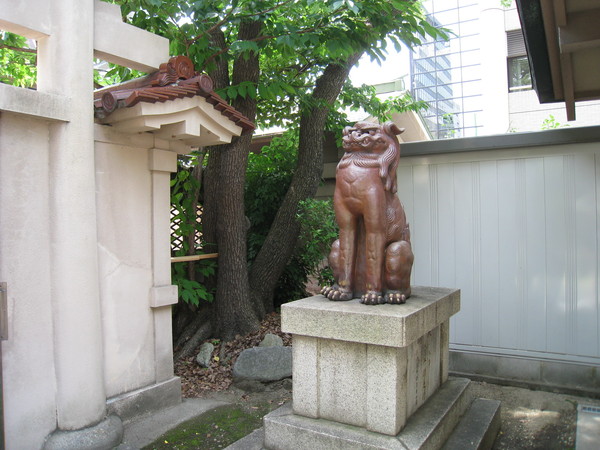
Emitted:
pixel 365 137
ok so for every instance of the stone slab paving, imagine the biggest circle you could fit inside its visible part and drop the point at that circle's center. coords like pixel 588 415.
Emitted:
pixel 588 427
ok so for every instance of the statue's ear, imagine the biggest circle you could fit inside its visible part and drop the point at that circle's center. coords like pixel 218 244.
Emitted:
pixel 392 128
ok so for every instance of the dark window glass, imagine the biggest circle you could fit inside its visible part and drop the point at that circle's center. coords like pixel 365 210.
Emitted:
pixel 519 76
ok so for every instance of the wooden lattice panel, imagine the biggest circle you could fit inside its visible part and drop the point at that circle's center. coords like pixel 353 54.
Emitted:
pixel 176 239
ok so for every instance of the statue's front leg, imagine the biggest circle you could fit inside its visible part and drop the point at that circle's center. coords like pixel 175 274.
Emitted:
pixel 343 255
pixel 375 236
pixel 335 292
pixel 345 281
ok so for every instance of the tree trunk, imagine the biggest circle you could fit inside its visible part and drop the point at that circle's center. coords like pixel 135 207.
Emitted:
pixel 283 235
pixel 234 313
pixel 212 173
pixel 186 322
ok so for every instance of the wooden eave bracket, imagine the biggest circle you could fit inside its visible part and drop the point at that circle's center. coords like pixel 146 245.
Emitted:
pixel 581 31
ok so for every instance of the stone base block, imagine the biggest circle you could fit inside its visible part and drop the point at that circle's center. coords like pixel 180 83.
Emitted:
pixel 428 428
pixel 369 366
pixel 104 436
pixel 146 400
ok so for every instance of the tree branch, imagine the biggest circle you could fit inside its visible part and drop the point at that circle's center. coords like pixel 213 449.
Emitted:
pixel 19 49
pixel 280 243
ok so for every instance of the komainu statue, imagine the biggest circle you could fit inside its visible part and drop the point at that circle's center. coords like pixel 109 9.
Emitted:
pixel 373 257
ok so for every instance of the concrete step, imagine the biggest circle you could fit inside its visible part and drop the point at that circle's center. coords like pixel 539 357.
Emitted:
pixel 477 428
pixel 431 425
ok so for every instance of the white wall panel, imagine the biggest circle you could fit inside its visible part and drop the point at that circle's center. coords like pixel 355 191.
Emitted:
pixel 534 247
pixel 464 268
pixel 517 232
pixel 586 308
pixel 557 270
pixel 490 234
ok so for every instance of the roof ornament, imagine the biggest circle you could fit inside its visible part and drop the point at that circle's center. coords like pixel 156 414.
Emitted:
pixel 178 68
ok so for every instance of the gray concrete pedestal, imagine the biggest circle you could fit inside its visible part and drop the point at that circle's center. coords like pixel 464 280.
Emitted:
pixel 360 372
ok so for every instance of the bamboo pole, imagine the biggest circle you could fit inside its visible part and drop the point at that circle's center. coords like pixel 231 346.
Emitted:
pixel 176 259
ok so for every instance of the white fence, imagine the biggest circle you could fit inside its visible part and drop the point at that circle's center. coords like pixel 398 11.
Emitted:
pixel 513 222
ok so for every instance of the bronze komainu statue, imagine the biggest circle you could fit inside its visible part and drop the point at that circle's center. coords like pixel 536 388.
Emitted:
pixel 372 257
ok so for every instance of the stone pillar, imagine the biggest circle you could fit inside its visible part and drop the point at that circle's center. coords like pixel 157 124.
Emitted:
pixel 65 68
pixel 163 295
pixel 494 69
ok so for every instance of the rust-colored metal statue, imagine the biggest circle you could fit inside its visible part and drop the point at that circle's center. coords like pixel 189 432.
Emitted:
pixel 373 256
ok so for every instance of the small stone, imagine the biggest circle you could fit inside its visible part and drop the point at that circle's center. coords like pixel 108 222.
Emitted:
pixel 264 364
pixel 271 340
pixel 204 356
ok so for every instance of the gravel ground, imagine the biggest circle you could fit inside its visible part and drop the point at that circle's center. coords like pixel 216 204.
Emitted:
pixel 534 419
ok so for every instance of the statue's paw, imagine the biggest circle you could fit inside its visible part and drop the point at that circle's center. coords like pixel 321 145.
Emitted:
pixel 325 290
pixel 372 298
pixel 396 297
pixel 336 293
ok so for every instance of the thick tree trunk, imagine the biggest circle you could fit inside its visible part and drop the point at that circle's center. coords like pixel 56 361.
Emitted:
pixel 234 313
pixel 281 240
pixel 212 173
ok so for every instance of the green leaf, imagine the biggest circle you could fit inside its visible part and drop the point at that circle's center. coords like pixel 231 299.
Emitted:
pixel 241 89
pixel 232 92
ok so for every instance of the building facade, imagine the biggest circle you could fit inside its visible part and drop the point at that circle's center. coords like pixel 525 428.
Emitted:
pixel 478 81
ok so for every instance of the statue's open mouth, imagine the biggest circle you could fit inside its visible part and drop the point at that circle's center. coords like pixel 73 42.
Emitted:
pixel 365 140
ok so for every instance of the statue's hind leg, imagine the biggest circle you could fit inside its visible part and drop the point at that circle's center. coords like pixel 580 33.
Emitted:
pixel 398 265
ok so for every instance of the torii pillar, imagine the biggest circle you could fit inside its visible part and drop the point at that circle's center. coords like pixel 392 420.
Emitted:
pixel 80 30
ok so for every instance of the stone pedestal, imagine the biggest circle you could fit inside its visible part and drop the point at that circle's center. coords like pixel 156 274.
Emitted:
pixel 368 367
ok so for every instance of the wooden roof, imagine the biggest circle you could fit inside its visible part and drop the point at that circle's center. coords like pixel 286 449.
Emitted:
pixel 175 79
pixel 563 45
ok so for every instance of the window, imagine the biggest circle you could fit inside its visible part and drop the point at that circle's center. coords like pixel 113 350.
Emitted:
pixel 519 76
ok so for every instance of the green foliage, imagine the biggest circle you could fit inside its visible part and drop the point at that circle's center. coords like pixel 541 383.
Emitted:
pixel 550 123
pixel 318 230
pixel 363 97
pixel 190 291
pixel 107 74
pixel 17 61
pixel 297 41
pixel 268 177
pixel 184 191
